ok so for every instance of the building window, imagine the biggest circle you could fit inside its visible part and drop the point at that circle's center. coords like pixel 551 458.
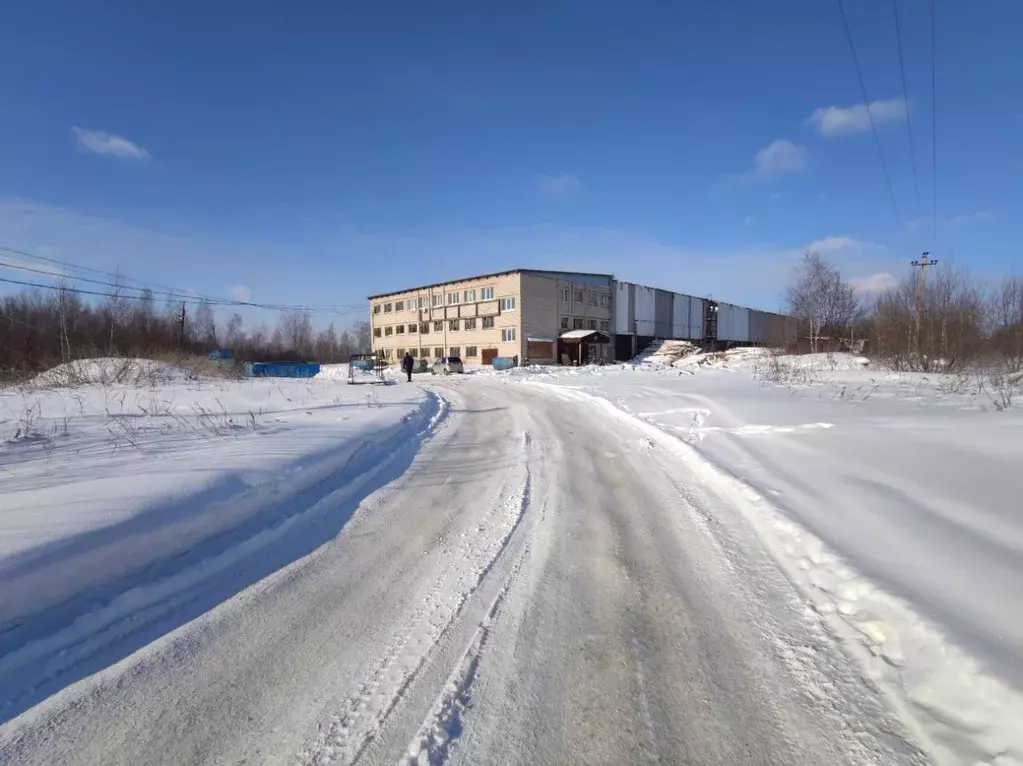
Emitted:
pixel 388 331
pixel 438 352
pixel 455 351
pixel 564 323
pixel 564 294
pixel 424 328
pixel 438 327
pixel 605 326
pixel 593 299
pixel 486 293
pixel 412 328
pixel 507 304
pixel 376 332
pixel 399 352
pixel 488 323
pixel 578 296
pixel 387 308
pixel 453 325
pixel 435 301
pixel 593 324
pixel 452 299
pixel 507 334
pixel 399 306
pixel 470 324
pixel 469 297
pixel 376 309
pixel 470 352
pixel 399 329
pixel 605 300
pixel 577 323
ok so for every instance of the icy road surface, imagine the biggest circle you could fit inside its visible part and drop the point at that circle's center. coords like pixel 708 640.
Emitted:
pixel 547 582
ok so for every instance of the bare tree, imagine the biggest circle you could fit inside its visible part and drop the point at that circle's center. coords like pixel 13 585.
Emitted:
pixel 234 335
pixel 1005 315
pixel 824 302
pixel 951 325
pixel 204 325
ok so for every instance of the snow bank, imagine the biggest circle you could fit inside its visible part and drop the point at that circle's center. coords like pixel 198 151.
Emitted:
pixel 109 371
pixel 666 352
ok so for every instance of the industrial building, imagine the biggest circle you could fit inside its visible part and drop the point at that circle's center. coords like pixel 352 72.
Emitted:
pixel 547 317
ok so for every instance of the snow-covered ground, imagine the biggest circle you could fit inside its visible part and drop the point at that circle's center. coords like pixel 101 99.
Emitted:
pixel 707 558
pixel 892 499
pixel 128 507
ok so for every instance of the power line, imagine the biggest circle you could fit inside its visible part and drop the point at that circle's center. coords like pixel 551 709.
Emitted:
pixel 171 292
pixel 905 95
pixel 870 116
pixel 934 125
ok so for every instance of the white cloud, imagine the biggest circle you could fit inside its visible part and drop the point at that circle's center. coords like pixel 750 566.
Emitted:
pixel 107 143
pixel 748 220
pixel 781 156
pixel 240 292
pixel 778 157
pixel 557 187
pixel 874 283
pixel 982 216
pixel 834 121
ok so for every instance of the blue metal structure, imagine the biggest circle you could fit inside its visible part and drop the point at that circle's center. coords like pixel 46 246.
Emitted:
pixel 281 370
pixel 504 362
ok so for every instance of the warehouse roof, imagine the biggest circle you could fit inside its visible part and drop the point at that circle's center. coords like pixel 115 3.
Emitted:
pixel 539 272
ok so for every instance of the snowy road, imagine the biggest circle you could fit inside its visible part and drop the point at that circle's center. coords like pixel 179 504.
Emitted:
pixel 545 583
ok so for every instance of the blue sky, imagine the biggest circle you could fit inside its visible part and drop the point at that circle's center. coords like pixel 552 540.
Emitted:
pixel 322 152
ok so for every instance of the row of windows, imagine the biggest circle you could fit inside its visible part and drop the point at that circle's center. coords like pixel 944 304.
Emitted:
pixel 453 299
pixel 578 323
pixel 594 299
pixel 453 325
pixel 471 352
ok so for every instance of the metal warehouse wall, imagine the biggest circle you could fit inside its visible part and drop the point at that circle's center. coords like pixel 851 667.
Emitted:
pixel 651 313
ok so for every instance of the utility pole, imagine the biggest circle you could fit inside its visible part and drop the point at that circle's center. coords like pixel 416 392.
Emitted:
pixel 921 288
pixel 181 327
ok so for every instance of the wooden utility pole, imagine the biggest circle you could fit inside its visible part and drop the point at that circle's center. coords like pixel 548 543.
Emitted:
pixel 921 288
pixel 181 327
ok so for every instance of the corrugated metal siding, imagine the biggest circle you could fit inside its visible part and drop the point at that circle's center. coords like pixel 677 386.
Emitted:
pixel 696 318
pixel 621 298
pixel 281 370
pixel 662 314
pixel 680 317
pixel 758 328
pixel 740 324
pixel 646 311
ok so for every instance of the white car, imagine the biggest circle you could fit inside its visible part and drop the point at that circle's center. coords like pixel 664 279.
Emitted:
pixel 447 365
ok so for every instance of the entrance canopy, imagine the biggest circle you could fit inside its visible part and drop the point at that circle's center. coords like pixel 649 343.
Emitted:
pixel 584 336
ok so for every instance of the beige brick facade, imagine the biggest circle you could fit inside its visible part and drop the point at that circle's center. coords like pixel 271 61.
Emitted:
pixel 517 306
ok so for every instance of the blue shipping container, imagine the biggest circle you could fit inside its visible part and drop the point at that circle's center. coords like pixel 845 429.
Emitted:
pixel 281 370
pixel 504 362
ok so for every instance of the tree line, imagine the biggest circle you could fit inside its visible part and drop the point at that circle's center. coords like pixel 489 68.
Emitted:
pixel 941 321
pixel 41 329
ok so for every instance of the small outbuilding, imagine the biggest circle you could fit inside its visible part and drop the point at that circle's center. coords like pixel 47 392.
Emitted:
pixel 577 347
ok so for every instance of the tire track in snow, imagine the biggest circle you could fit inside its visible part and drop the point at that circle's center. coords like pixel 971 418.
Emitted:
pixel 352 729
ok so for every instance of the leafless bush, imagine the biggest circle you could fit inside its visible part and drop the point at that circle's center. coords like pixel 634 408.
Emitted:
pixel 1005 316
pixel 938 329
pixel 781 370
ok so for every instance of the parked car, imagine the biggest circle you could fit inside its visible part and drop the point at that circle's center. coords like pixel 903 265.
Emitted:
pixel 447 365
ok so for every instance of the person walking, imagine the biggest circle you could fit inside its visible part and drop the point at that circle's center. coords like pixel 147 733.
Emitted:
pixel 407 364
